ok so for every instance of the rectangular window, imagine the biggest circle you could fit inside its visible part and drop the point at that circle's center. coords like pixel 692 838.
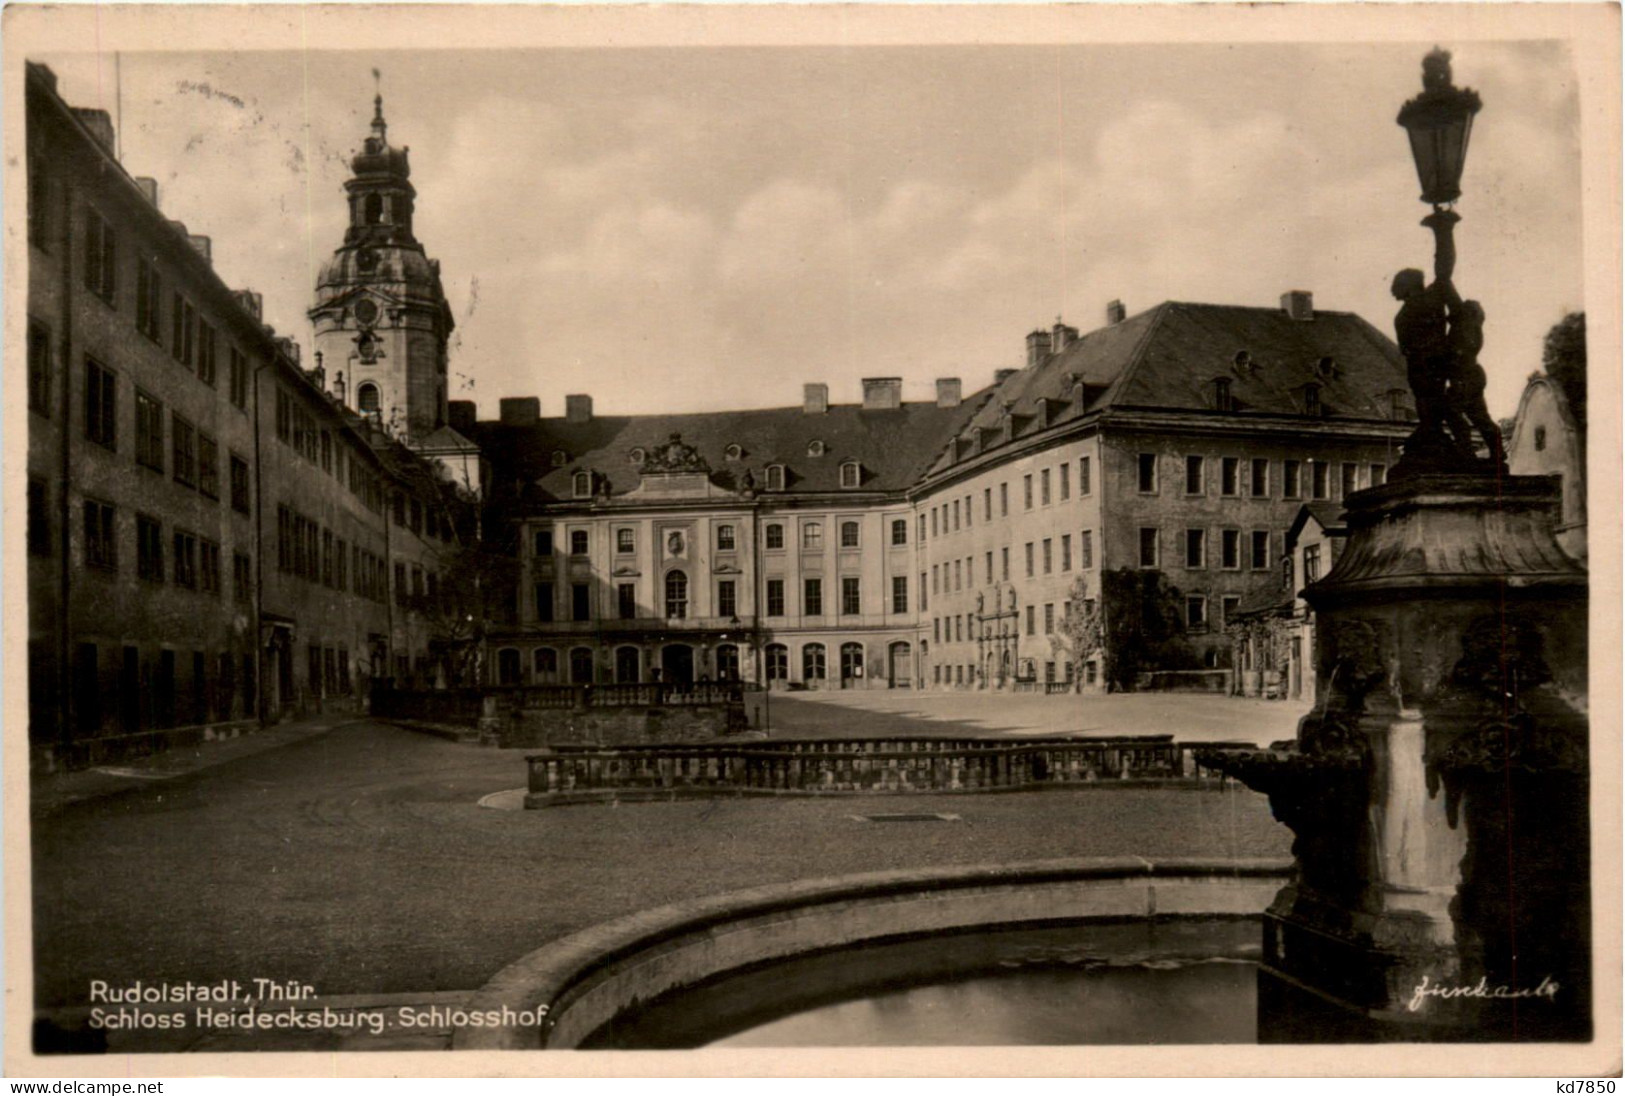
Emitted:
pixel 205 353
pixel 727 600
pixel 1311 564
pixel 1086 549
pixel 989 569
pixel 542 543
pixel 899 594
pixel 149 295
pixel 934 527
pixel 1049 618
pixel 1228 607
pixel 921 533
pixel 1027 491
pixel 401 590
pixel 1004 564
pixel 1319 480
pixel 987 504
pixel 1261 550
pixel 1049 555
pixel 1290 487
pixel 101 257
pixel 1195 548
pixel 185 562
pixel 1066 482
pixel 101 546
pixel 812 597
pixel 341 568
pixel 1196 613
pixel 1148 547
pixel 1351 479
pixel 849 533
pixel 238 378
pixel 1029 551
pixel 1230 549
pixel 184 450
pixel 775 597
pixel 39 368
pixel 180 334
pixel 209 567
pixel 239 484
pixel 967 512
pixel 580 601
pixel 1032 620
pixel 1043 487
pixel 101 405
pixel 1195 480
pixel 626 600
pixel 899 532
pixel 812 537
pixel 936 586
pixel 544 602
pixel 1066 552
pixel 922 592
pixel 1379 475
pixel 578 542
pixel 956 515
pixel 958 576
pixel 725 538
pixel 1148 473
pixel 1260 481
pixel 851 605
pixel 1004 500
pixel 1084 485
pixel 242 578
pixel 1229 476
pixel 149 431
pixel 208 466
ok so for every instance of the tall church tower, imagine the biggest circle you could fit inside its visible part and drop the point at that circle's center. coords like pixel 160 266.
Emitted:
pixel 381 318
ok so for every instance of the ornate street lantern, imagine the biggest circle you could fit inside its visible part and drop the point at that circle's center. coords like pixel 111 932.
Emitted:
pixel 1439 122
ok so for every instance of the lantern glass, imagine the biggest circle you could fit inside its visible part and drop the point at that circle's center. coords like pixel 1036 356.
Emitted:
pixel 1439 122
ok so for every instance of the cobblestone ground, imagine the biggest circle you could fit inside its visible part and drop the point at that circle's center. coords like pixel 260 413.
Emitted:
pixel 358 861
pixel 1188 717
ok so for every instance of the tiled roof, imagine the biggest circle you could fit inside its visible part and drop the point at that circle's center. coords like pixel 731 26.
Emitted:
pixel 893 447
pixel 1168 357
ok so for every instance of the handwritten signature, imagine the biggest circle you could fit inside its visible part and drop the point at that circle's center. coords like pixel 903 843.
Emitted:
pixel 1482 990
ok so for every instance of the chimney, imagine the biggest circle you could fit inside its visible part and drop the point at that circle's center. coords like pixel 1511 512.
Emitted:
pixel 578 408
pixel 1038 346
pixel 149 189
pixel 204 247
pixel 100 125
pixel 462 415
pixel 948 392
pixel 1115 312
pixel 520 411
pixel 1002 375
pixel 288 347
pixel 814 398
pixel 882 393
pixel 251 301
pixel 1062 336
pixel 1298 304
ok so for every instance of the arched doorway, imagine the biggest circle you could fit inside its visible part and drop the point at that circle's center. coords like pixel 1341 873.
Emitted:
pixel 900 665
pixel 581 666
pixel 627 669
pixel 812 665
pixel 728 662
pixel 851 665
pixel 677 662
pixel 546 661
pixel 508 666
pixel 778 662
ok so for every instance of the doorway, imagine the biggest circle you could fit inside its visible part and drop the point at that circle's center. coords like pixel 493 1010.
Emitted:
pixel 851 665
pixel 677 661
pixel 901 661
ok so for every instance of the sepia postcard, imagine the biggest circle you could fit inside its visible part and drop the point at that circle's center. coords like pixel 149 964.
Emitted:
pixel 709 540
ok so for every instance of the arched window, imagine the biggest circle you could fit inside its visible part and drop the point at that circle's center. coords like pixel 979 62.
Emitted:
pixel 778 662
pixel 812 662
pixel 728 662
pixel 851 661
pixel 507 666
pixel 676 595
pixel 851 473
pixel 815 448
pixel 372 209
pixel 546 663
pixel 725 538
pixel 366 398
pixel 581 666
pixel 627 665
pixel 775 477
pixel 1540 438
pixel 582 485
pixel 733 452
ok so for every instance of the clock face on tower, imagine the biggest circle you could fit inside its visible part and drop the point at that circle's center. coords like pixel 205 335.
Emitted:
pixel 366 260
pixel 366 313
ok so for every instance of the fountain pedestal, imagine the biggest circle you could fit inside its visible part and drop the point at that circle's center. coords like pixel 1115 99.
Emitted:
pixel 1439 796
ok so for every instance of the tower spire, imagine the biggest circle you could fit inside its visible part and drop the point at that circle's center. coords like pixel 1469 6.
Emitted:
pixel 378 126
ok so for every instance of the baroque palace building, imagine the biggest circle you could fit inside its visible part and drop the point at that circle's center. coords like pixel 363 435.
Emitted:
pixel 214 537
pixel 892 544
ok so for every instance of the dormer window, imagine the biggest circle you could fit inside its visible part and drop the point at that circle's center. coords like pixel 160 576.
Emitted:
pixel 560 458
pixel 1243 364
pixel 815 448
pixel 637 455
pixel 733 452
pixel 1540 438
pixel 1399 408
pixel 1327 366
pixel 851 473
pixel 1222 398
pixel 1311 399
pixel 775 477
pixel 581 485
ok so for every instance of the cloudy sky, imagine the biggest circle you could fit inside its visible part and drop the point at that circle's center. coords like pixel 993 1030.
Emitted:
pixel 691 228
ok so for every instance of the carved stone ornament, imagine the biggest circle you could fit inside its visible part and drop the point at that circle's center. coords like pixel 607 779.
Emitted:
pixel 675 456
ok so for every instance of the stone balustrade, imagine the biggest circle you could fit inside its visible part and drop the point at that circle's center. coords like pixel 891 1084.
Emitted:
pixel 585 773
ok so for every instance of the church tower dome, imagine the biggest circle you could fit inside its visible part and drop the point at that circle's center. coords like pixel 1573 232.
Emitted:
pixel 380 314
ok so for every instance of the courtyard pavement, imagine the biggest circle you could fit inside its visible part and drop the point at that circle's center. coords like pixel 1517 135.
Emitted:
pixel 882 712
pixel 356 859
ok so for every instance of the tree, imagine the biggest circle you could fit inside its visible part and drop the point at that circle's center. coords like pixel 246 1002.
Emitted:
pixel 1082 633
pixel 478 585
pixel 1564 359
pixel 1142 626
